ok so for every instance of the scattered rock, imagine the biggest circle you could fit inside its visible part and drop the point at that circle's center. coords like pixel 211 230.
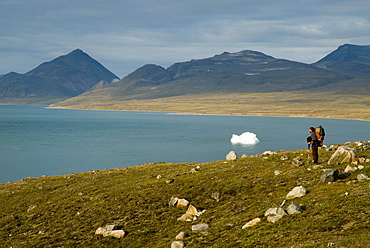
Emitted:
pixel 110 230
pixel 274 214
pixel 297 161
pixel 330 175
pixel 244 156
pixel 216 196
pixel 361 160
pixel 344 154
pixel 277 172
pixel 181 235
pixel 294 208
pixel 170 181
pixel 296 192
pixel 177 244
pixel 182 202
pixel 117 234
pixel 187 217
pixel 317 166
pixel 362 177
pixel 360 167
pixel 252 223
pixel 199 227
pixel 284 157
pixel 268 153
pixel 192 210
pixel 350 169
pixel 231 156
pixel 159 177
pixel 173 201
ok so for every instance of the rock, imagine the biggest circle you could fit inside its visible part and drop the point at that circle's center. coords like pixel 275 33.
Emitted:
pixel 181 235
pixel 268 153
pixel 182 202
pixel 199 227
pixel 187 217
pixel 159 177
pixel 170 181
pixel 343 154
pixel 294 208
pixel 360 167
pixel 100 231
pixel 297 161
pixel 274 214
pixel 177 244
pixel 361 160
pixel 252 223
pixel 173 201
pixel 192 210
pixel 194 170
pixel 330 175
pixel 110 230
pixel 350 169
pixel 231 156
pixel 284 157
pixel 277 172
pixel 296 192
pixel 216 196
pixel 362 177
pixel 244 156
pixel 317 166
pixel 117 233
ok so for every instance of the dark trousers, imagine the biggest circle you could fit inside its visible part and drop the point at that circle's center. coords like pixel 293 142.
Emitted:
pixel 315 152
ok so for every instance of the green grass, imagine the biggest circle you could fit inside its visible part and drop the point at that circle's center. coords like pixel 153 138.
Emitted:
pixel 65 211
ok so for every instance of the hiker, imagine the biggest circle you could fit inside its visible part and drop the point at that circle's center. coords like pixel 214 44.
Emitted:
pixel 312 139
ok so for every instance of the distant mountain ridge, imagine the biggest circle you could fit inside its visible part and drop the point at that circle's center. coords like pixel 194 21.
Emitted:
pixel 349 60
pixel 64 77
pixel 78 77
pixel 244 71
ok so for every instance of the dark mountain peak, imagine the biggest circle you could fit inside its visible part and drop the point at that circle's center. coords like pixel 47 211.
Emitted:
pixel 349 53
pixel 149 72
pixel 65 76
pixel 349 60
pixel 246 55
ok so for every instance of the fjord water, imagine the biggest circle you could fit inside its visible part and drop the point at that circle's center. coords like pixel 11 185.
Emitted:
pixel 36 140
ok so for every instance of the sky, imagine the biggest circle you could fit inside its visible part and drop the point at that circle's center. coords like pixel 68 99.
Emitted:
pixel 124 35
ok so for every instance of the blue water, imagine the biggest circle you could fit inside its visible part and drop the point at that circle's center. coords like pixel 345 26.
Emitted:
pixel 36 141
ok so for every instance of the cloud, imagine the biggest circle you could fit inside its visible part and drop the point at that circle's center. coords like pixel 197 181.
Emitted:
pixel 124 35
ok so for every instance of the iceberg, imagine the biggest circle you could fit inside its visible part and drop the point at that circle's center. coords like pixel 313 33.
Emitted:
pixel 246 138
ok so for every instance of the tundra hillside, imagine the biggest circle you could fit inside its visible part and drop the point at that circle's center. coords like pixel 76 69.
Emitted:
pixel 67 210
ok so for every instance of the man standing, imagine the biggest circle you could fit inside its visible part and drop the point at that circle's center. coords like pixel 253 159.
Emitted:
pixel 314 145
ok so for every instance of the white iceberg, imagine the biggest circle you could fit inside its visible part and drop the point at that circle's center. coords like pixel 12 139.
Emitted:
pixel 246 138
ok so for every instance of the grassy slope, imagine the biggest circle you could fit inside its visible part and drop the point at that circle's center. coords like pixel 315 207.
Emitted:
pixel 65 211
pixel 297 104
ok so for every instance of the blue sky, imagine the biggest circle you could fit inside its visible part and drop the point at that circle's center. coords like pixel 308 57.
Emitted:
pixel 126 34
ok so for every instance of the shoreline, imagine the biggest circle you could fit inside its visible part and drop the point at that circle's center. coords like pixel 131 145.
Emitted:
pixel 210 114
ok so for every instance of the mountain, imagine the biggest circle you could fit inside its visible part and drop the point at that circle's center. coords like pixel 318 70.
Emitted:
pixel 244 71
pixel 348 60
pixel 64 77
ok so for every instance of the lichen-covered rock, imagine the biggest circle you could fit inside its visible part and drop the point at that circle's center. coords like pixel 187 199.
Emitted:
pixel 343 154
pixel 177 244
pixel 294 208
pixel 231 156
pixel 274 214
pixel 251 223
pixel 329 175
pixel 199 227
pixel 296 192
